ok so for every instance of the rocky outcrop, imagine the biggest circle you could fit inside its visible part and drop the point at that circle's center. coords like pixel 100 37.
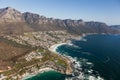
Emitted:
pixel 31 18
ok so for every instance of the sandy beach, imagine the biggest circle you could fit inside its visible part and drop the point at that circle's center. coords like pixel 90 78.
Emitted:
pixel 53 49
pixel 55 46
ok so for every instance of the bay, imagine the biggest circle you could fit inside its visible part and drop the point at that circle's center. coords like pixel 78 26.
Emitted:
pixel 99 56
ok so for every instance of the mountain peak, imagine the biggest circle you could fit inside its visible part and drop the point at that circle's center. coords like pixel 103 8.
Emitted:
pixel 10 14
pixel 9 8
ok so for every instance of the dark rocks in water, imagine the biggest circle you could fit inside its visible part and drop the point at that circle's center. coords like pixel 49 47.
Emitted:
pixel 76 74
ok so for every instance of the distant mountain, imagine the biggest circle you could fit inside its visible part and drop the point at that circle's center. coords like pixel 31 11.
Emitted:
pixel 15 22
pixel 115 27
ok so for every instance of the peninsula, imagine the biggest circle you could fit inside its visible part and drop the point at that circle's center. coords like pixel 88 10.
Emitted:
pixel 28 42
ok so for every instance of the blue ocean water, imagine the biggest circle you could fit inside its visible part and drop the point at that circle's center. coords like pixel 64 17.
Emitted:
pixel 99 55
pixel 101 50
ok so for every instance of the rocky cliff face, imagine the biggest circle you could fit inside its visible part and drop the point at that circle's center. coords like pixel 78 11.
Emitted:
pixel 75 26
pixel 37 19
pixel 12 22
pixel 10 15
pixel 36 22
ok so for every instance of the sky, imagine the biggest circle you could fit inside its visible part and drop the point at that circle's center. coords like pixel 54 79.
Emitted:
pixel 107 11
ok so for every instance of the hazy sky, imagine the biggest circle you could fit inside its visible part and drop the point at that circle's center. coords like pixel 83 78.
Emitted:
pixel 89 10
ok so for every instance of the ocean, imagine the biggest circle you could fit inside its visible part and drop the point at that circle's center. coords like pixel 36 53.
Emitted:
pixel 98 57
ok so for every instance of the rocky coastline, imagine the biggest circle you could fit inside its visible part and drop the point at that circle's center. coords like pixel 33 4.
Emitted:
pixel 56 61
pixel 50 66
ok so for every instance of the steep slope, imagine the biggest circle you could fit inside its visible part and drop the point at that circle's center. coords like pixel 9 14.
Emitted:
pixel 12 22
pixel 10 15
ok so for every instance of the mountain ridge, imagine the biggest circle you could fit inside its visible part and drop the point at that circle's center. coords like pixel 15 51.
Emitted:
pixel 27 22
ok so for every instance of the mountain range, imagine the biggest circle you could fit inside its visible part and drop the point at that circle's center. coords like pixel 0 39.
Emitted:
pixel 13 21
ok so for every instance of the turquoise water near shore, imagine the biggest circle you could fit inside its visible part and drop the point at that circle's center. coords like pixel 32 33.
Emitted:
pixel 49 75
pixel 99 56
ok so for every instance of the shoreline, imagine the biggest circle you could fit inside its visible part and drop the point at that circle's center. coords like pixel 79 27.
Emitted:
pixel 40 71
pixel 55 46
pixel 76 65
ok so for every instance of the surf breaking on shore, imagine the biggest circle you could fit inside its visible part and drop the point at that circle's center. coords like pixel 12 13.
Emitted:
pixel 76 65
pixel 76 74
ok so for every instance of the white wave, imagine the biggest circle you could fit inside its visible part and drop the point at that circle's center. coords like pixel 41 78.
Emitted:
pixel 77 74
pixel 89 63
pixel 77 65
pixel 87 53
pixel 73 45
pixel 83 39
